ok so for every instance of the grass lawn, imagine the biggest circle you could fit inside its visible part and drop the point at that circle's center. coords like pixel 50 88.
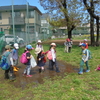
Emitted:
pixel 70 87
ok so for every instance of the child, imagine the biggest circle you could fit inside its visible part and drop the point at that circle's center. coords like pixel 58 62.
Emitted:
pixel 85 42
pixel 10 63
pixel 40 59
pixel 29 56
pixel 70 45
pixel 53 60
pixel 39 45
pixel 85 58
pixel 66 43
pixel 15 56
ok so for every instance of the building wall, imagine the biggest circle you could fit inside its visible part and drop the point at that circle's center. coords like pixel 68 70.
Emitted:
pixel 34 22
pixel 5 18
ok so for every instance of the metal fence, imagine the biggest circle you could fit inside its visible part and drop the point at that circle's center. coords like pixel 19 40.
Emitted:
pixel 2 42
pixel 22 38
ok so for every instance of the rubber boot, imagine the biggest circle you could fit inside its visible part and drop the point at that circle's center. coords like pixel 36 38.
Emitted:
pixel 42 70
pixel 39 70
pixel 12 76
pixel 15 69
pixel 6 76
pixel 57 70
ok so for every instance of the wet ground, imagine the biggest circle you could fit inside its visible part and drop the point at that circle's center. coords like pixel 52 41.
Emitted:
pixel 38 78
pixel 22 81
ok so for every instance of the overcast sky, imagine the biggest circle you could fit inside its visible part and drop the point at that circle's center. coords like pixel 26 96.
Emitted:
pixel 19 2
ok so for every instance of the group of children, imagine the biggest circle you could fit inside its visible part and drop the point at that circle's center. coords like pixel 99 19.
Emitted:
pixel 12 58
pixel 41 59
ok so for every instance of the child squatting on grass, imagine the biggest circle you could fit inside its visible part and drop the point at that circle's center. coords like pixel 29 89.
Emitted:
pixel 85 58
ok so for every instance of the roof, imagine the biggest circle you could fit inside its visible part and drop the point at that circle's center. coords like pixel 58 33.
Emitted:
pixel 18 7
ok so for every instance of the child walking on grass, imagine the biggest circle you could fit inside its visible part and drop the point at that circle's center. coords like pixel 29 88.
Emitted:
pixel 39 45
pixel 28 64
pixel 85 58
pixel 51 55
pixel 41 60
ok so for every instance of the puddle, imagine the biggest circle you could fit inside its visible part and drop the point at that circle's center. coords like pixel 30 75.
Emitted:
pixel 37 78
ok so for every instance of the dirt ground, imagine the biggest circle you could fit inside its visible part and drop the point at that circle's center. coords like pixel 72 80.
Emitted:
pixel 61 42
pixel 22 81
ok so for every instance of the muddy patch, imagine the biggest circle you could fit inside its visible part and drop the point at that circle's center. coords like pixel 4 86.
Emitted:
pixel 37 78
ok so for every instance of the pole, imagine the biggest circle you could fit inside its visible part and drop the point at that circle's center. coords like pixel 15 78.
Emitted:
pixel 26 24
pixel 13 20
pixel 28 21
pixel 35 25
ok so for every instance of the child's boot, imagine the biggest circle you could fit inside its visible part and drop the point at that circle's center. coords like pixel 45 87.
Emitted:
pixel 57 70
pixel 39 70
pixel 15 69
pixel 12 76
pixel 6 76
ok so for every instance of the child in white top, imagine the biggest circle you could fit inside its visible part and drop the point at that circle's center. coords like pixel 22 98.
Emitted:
pixel 39 45
pixel 53 61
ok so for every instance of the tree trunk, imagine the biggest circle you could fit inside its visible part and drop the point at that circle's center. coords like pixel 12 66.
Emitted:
pixel 92 31
pixel 69 34
pixel 97 38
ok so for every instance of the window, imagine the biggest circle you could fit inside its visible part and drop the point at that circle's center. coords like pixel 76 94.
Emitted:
pixel 17 14
pixel 31 14
pixel 0 16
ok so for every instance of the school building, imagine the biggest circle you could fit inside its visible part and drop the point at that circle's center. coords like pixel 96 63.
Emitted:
pixel 21 19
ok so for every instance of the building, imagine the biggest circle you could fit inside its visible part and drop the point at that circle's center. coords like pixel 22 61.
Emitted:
pixel 22 17
pixel 45 25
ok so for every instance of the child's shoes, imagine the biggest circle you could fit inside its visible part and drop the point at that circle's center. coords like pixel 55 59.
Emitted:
pixel 80 73
pixel 87 70
pixel 28 75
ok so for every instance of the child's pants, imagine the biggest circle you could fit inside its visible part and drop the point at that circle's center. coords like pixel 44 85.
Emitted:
pixel 82 64
pixel 7 71
pixel 27 70
pixel 66 49
pixel 51 64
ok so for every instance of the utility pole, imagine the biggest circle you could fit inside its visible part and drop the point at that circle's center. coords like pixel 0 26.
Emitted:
pixel 27 23
pixel 35 26
pixel 13 15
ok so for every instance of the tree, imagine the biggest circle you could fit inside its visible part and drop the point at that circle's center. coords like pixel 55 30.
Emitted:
pixel 92 8
pixel 63 10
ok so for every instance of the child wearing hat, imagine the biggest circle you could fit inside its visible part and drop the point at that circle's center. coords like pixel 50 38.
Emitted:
pixel 53 61
pixel 85 42
pixel 15 56
pixel 9 74
pixel 28 64
pixel 85 58
pixel 39 45
pixel 41 60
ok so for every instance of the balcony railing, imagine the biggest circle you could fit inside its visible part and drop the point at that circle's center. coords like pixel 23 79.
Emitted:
pixel 17 21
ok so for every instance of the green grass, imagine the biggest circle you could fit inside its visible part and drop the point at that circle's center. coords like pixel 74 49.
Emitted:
pixel 70 87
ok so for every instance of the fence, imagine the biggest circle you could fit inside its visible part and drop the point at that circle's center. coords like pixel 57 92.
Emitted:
pixel 2 42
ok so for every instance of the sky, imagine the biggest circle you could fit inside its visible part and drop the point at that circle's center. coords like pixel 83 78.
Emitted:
pixel 19 2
